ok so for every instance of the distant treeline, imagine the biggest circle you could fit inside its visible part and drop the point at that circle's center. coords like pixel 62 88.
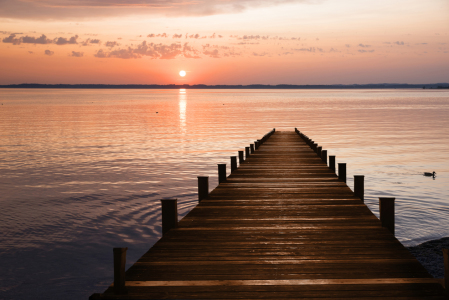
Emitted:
pixel 251 86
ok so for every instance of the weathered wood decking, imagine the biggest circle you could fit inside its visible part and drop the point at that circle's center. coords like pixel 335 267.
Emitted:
pixel 281 227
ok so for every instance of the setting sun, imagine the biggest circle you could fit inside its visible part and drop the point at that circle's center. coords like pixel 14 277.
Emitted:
pixel 182 73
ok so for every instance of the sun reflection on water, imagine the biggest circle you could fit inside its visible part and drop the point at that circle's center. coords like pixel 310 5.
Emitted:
pixel 182 109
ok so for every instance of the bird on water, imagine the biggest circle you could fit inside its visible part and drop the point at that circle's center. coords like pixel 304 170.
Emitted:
pixel 429 174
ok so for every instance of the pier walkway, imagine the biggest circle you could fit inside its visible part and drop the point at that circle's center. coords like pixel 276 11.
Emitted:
pixel 282 226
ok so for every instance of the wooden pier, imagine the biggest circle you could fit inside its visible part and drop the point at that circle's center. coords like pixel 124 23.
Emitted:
pixel 281 226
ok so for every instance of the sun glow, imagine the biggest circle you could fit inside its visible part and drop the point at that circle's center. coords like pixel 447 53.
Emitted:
pixel 182 73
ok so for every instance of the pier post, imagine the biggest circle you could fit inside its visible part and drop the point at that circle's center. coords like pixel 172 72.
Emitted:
pixel 359 187
pixel 386 211
pixel 247 152
pixel 169 214
pixel 119 270
pixel 256 144
pixel 324 156
pixel 446 269
pixel 314 146
pixel 342 171
pixel 241 159
pixel 203 187
pixel 251 146
pixel 233 163
pixel 221 173
pixel 332 162
pixel 318 150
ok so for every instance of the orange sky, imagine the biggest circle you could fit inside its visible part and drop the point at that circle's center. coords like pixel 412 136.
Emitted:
pixel 224 42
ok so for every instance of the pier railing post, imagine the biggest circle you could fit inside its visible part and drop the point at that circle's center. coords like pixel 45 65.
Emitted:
pixel 342 171
pixel 119 270
pixel 359 187
pixel 324 156
pixel 233 163
pixel 169 214
pixel 318 150
pixel 386 211
pixel 332 162
pixel 246 152
pixel 221 173
pixel 241 159
pixel 251 146
pixel 446 270
pixel 203 187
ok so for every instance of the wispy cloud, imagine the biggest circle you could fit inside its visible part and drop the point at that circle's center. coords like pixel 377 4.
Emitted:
pixel 310 49
pixel 13 39
pixel 365 51
pixel 111 44
pixel 159 51
pixel 71 9
pixel 212 53
pixel 77 54
pixel 48 52
pixel 65 41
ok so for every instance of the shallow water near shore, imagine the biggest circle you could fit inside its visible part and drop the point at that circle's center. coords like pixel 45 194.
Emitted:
pixel 82 171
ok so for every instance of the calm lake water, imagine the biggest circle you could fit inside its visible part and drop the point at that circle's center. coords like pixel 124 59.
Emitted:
pixel 82 171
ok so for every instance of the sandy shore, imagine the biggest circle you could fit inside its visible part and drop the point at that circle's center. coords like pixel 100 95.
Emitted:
pixel 430 255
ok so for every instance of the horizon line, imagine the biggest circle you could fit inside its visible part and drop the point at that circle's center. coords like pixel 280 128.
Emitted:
pixel 440 85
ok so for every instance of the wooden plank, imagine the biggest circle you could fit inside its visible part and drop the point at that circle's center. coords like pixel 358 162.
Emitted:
pixel 281 226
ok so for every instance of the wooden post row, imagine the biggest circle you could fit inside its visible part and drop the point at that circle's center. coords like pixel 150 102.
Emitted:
pixel 221 173
pixel 386 212
pixel 332 162
pixel 324 155
pixel 342 172
pixel 359 187
pixel 119 270
pixel 241 159
pixel 233 163
pixel 203 187
pixel 169 214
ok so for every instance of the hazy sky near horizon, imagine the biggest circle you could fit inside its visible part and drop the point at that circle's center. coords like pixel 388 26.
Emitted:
pixel 224 41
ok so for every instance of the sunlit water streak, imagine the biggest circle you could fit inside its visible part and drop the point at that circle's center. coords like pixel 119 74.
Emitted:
pixel 82 171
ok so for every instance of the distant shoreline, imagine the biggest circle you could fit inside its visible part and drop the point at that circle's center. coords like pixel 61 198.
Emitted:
pixel 250 86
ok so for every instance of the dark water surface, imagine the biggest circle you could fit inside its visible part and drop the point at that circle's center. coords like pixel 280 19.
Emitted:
pixel 82 171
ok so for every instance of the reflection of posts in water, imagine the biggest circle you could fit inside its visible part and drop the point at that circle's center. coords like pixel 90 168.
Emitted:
pixel 203 187
pixel 359 187
pixel 342 171
pixel 386 212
